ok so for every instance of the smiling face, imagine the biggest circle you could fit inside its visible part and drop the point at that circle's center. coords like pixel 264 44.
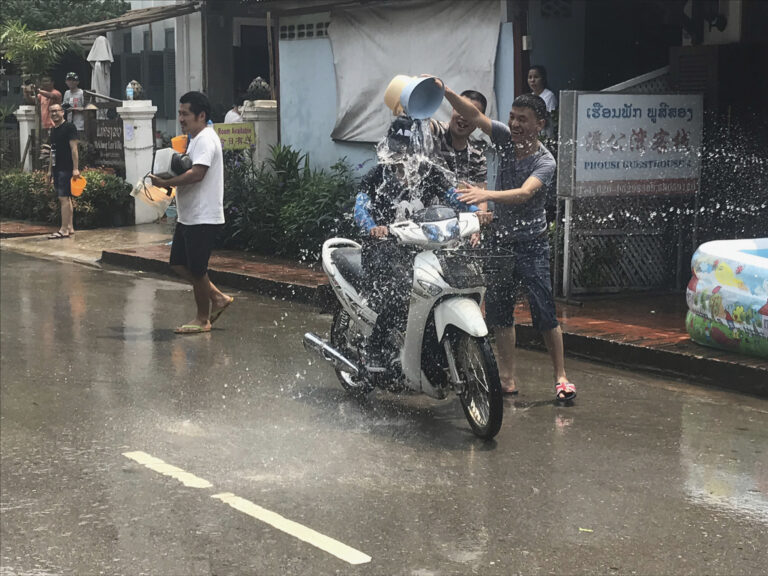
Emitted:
pixel 524 125
pixel 57 114
pixel 459 126
pixel 190 123
pixel 535 81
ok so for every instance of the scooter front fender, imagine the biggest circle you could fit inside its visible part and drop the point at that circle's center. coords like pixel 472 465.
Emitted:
pixel 464 313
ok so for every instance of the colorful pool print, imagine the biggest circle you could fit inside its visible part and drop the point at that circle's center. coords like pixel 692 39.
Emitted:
pixel 728 296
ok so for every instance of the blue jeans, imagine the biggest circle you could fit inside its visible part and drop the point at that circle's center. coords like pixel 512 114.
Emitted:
pixel 528 272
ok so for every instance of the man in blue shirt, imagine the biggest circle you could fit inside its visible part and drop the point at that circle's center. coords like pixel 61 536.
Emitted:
pixel 525 169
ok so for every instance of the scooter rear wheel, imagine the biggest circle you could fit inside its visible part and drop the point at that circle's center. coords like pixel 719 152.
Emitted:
pixel 357 385
pixel 481 396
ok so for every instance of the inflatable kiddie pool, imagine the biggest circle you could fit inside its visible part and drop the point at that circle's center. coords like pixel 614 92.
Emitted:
pixel 728 296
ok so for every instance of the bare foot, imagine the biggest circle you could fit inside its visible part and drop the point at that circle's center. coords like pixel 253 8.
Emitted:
pixel 510 389
pixel 219 306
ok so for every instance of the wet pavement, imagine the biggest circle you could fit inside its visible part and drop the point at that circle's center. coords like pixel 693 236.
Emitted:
pixel 642 475
pixel 638 331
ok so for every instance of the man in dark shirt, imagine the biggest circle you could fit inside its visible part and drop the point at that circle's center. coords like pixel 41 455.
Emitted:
pixel 525 170
pixel 63 167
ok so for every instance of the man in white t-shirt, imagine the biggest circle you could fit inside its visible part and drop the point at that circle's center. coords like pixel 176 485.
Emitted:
pixel 74 101
pixel 200 205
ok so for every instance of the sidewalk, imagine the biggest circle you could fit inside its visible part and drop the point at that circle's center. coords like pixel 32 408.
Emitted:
pixel 643 332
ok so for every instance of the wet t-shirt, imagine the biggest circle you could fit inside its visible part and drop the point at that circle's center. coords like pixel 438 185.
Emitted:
pixel 516 222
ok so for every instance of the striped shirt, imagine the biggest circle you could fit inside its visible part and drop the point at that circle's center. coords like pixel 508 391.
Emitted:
pixel 466 165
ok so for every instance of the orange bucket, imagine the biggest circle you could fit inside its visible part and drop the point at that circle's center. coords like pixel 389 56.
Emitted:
pixel 179 143
pixel 77 185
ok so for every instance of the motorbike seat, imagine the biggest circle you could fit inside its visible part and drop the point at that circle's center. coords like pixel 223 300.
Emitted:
pixel 350 265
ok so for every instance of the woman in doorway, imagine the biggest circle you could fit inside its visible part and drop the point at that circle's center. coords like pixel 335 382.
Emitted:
pixel 537 82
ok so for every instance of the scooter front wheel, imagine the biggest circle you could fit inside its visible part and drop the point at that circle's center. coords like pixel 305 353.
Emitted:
pixel 357 385
pixel 480 395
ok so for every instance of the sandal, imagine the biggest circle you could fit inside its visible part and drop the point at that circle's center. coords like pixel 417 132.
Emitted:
pixel 57 236
pixel 192 329
pixel 565 391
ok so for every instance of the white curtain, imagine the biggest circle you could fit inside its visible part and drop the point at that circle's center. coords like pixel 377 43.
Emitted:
pixel 453 39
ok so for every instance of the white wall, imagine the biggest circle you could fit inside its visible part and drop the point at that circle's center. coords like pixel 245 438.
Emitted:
pixel 308 101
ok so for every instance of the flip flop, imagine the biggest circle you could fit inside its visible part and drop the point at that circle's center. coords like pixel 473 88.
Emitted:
pixel 567 390
pixel 57 236
pixel 215 315
pixel 191 329
pixel 509 392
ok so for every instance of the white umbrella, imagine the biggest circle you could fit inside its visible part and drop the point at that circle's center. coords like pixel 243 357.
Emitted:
pixel 101 59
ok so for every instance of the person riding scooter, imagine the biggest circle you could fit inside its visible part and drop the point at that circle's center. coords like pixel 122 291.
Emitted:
pixel 398 186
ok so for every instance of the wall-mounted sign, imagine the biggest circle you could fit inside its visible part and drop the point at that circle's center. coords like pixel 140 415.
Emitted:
pixel 236 136
pixel 108 141
pixel 637 144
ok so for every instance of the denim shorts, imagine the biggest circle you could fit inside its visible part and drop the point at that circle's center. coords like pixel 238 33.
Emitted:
pixel 527 273
pixel 61 183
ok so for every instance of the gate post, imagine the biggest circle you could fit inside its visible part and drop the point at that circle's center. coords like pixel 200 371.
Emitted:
pixel 26 117
pixel 263 115
pixel 139 141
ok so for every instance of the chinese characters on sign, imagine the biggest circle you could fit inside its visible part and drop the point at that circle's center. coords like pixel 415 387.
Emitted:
pixel 236 136
pixel 637 144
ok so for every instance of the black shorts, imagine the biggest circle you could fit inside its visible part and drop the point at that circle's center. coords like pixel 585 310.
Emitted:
pixel 192 246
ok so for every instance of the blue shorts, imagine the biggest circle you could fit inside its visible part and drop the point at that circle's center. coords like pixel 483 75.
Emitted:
pixel 61 183
pixel 527 274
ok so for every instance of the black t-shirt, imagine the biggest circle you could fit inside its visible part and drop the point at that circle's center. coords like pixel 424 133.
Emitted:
pixel 61 153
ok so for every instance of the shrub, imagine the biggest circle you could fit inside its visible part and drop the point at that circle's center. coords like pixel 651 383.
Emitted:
pixel 283 206
pixel 106 200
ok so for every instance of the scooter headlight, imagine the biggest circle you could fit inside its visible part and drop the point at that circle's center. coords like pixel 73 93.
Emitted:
pixel 442 231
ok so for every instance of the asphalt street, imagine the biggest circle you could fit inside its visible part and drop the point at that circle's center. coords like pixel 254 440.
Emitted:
pixel 126 449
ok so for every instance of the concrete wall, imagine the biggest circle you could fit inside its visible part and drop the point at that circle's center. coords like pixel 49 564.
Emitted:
pixel 308 100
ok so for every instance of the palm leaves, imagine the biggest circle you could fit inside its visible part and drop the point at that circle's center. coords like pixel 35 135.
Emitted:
pixel 35 54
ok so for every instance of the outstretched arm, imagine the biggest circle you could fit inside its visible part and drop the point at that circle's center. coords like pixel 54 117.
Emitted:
pixel 473 195
pixel 465 107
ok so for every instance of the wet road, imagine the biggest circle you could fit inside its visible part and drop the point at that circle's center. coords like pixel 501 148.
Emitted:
pixel 226 431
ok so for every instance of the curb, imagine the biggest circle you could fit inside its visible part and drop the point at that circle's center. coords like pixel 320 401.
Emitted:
pixel 713 372
pixel 321 296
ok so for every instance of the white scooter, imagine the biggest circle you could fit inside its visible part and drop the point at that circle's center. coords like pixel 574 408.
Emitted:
pixel 445 345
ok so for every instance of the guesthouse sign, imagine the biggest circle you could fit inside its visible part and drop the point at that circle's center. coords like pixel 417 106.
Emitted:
pixel 637 144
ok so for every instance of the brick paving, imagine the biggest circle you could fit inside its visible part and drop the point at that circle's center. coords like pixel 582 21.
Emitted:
pixel 15 229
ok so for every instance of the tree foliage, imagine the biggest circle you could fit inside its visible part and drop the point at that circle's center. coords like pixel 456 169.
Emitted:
pixel 48 14
pixel 34 54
